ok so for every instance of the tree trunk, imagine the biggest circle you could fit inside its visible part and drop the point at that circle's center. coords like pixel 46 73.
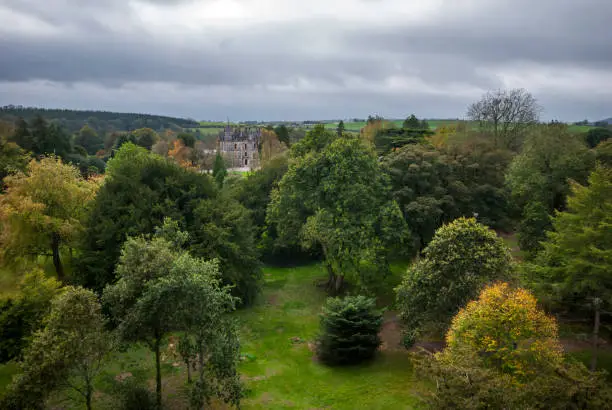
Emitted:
pixel 597 303
pixel 331 277
pixel 187 362
pixel 339 283
pixel 88 395
pixel 158 390
pixel 57 262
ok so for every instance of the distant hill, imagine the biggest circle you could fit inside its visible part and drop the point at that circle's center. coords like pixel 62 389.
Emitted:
pixel 101 121
pixel 607 120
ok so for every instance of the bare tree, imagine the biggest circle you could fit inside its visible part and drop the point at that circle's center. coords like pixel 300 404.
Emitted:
pixel 507 114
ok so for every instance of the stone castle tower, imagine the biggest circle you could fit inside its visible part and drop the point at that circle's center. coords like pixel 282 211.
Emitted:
pixel 240 146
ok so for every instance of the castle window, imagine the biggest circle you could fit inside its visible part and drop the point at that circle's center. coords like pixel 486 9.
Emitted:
pixel 246 161
pixel 235 146
pixel 245 147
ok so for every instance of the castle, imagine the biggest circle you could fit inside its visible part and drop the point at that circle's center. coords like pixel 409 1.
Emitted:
pixel 240 146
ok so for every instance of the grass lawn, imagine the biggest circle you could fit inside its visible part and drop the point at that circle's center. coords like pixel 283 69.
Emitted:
pixel 511 241
pixel 281 371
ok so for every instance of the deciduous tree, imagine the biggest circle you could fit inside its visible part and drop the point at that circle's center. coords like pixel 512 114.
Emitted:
pixel 550 158
pixel 42 210
pixel 507 115
pixel 504 352
pixel 12 160
pixel 423 184
pixel 68 352
pixel 162 289
pixel 89 139
pixel 22 315
pixel 270 146
pixel 335 197
pixel 462 258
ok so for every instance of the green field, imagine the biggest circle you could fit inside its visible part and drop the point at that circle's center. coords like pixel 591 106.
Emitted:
pixel 579 129
pixel 357 126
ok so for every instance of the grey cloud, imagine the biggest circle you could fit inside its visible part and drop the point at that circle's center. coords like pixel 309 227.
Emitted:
pixel 450 49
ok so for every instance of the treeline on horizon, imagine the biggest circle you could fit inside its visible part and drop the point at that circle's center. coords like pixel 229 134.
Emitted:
pixel 101 121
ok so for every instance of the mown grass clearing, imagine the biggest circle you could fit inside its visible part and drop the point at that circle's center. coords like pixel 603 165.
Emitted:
pixel 280 370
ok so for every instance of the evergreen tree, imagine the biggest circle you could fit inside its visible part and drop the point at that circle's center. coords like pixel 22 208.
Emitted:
pixel 349 330
pixel 340 128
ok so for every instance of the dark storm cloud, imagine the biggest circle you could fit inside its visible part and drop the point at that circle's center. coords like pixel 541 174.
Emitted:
pixel 320 60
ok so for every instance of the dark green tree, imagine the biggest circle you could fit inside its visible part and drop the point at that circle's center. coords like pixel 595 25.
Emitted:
pixel 254 193
pixel 535 222
pixel 139 191
pixel 89 139
pixel 188 139
pixel 145 137
pixel 123 138
pixel 424 185
pixel 574 266
pixel 595 136
pixel 22 136
pixel 340 128
pixel 49 138
pixel 222 229
pixel 349 330
pixel 282 132
pixel 412 123
pixel 219 170
pixel 21 316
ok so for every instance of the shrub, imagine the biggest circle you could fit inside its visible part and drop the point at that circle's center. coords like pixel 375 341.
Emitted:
pixel 22 316
pixel 349 330
pixel 130 395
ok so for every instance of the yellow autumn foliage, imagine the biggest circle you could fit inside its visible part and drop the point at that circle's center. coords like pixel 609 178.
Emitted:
pixel 507 330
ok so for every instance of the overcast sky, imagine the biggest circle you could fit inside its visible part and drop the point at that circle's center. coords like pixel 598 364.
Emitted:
pixel 305 59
